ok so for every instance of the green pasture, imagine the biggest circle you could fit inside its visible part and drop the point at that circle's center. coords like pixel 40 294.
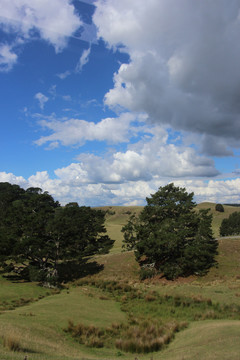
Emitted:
pixel 35 317
pixel 217 216
pixel 39 327
pixel 208 340
pixel 117 217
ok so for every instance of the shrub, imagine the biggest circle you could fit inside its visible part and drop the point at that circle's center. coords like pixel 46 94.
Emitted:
pixel 219 207
pixel 147 273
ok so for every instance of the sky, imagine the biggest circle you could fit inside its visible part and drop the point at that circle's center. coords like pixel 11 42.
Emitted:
pixel 104 101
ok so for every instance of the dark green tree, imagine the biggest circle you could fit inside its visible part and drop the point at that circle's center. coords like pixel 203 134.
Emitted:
pixel 38 234
pixel 170 234
pixel 219 207
pixel 231 225
pixel 9 194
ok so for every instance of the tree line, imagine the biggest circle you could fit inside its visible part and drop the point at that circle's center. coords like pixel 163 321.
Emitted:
pixel 38 237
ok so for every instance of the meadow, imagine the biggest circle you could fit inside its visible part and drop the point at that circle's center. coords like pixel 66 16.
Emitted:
pixel 111 314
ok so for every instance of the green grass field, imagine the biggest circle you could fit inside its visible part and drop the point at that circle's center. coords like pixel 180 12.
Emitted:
pixel 33 319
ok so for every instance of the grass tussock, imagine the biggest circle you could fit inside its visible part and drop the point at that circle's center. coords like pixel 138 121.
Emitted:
pixel 12 342
pixel 90 336
pixel 148 336
pixel 135 337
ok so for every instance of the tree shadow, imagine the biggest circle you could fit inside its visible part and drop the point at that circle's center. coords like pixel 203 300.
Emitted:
pixel 68 271
pixel 73 270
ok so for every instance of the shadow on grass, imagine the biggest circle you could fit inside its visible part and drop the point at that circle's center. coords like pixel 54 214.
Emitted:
pixel 68 271
pixel 74 270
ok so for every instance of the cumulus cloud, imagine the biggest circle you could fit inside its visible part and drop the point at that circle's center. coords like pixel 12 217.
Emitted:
pixel 7 58
pixel 13 179
pixel 77 132
pixel 146 160
pixel 42 99
pixel 53 20
pixel 184 64
pixel 67 189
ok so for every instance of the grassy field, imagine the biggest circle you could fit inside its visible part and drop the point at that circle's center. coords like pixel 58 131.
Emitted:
pixel 199 317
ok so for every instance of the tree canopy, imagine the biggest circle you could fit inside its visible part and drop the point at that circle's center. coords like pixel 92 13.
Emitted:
pixel 169 234
pixel 37 234
pixel 219 207
pixel 231 225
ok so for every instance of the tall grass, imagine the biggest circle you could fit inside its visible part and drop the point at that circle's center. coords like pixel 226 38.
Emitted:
pixel 11 341
pixel 137 337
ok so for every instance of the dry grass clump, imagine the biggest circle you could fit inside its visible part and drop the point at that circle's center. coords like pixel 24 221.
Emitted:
pixel 90 336
pixel 136 337
pixel 148 336
pixel 11 342
pixel 150 297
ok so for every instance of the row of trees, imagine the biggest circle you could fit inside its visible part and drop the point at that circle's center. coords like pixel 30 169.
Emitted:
pixel 37 235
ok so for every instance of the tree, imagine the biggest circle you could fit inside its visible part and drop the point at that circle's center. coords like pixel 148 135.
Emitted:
pixel 39 234
pixel 171 235
pixel 219 207
pixel 231 225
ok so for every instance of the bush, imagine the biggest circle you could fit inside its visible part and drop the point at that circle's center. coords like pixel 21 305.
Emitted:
pixel 219 207
pixel 147 273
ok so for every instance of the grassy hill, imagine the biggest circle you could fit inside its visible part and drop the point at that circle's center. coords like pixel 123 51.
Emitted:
pixel 34 320
pixel 117 216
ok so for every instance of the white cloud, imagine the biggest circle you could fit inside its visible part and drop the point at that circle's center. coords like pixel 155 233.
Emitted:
pixel 54 20
pixel 66 97
pixel 70 186
pixel 13 179
pixel 184 63
pixel 64 75
pixel 83 60
pixel 147 160
pixel 7 58
pixel 77 132
pixel 73 174
pixel 42 99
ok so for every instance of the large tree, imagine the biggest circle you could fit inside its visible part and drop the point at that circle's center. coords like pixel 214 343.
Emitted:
pixel 171 235
pixel 36 234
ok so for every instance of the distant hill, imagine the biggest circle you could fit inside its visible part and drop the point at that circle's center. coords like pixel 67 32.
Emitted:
pixel 117 216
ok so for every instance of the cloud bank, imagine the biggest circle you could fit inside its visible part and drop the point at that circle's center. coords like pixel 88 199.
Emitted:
pixel 69 186
pixel 184 67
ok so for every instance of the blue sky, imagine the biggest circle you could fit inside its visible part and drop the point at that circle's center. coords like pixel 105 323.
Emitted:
pixel 102 102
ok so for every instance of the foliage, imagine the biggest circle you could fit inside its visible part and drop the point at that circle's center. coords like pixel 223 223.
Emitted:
pixel 219 207
pixel 171 235
pixel 38 234
pixel 231 225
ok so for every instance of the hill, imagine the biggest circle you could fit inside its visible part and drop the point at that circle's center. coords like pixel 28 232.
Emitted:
pixel 117 216
pixel 110 299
